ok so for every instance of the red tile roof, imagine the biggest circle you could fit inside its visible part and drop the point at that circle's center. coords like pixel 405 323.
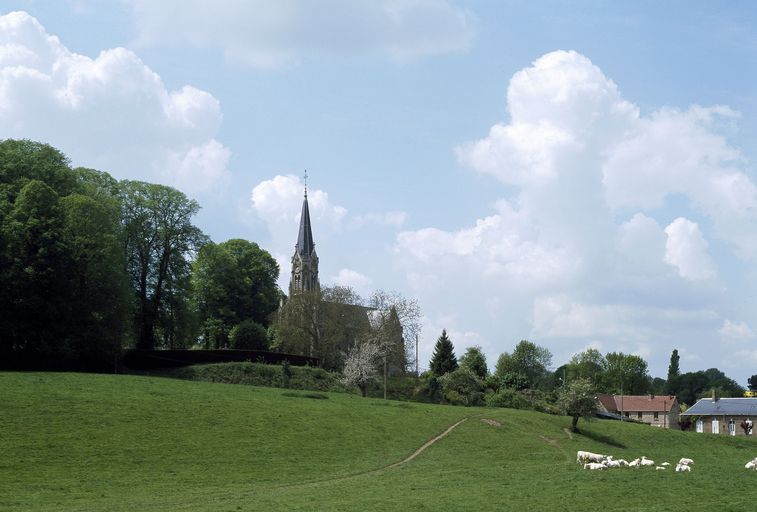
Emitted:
pixel 635 403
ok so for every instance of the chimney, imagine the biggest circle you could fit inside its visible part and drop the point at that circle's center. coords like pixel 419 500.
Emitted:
pixel 714 396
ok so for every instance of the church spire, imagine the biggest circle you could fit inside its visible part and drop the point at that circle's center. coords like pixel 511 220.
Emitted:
pixel 304 261
pixel 305 245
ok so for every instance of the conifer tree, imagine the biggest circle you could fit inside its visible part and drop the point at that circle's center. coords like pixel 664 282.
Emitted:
pixel 443 360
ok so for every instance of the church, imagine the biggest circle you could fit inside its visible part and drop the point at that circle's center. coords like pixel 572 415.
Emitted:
pixel 316 326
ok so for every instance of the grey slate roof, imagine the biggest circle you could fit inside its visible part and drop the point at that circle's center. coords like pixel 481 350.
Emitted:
pixel 305 245
pixel 723 406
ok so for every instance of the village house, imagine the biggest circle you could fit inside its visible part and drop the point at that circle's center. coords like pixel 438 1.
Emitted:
pixel 732 416
pixel 659 411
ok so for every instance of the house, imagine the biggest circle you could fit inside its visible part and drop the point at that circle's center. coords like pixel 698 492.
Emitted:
pixel 732 416
pixel 660 411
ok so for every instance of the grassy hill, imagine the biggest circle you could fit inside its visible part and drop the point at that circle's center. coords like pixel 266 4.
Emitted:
pixel 95 442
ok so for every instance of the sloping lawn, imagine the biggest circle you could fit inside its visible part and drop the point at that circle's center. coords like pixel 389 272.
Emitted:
pixel 98 442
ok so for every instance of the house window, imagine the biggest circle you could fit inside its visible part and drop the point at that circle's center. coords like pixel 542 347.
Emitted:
pixel 638 415
pixel 700 425
pixel 656 417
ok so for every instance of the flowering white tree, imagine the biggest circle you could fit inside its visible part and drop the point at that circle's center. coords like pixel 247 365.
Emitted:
pixel 360 365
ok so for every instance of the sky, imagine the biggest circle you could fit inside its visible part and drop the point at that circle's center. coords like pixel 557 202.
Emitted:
pixel 578 174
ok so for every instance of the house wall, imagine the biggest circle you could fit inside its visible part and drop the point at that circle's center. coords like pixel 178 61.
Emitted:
pixel 723 421
pixel 663 420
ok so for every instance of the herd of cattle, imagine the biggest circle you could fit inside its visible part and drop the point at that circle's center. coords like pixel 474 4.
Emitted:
pixel 597 461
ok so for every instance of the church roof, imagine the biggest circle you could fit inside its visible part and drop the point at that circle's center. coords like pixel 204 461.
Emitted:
pixel 305 245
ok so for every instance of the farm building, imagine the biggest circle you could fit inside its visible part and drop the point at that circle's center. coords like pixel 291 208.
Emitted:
pixel 732 416
pixel 660 411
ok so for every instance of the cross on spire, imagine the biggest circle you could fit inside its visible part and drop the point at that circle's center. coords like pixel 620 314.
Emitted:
pixel 306 183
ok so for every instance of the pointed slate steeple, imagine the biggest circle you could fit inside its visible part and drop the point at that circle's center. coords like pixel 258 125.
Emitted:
pixel 305 245
pixel 305 260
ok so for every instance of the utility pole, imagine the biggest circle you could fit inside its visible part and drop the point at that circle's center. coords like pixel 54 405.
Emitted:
pixel 417 373
pixel 384 376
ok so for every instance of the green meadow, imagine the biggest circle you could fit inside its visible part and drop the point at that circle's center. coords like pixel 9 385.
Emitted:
pixel 76 442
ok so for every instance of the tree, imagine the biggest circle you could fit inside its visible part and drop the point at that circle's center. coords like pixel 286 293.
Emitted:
pixel 578 400
pixel 159 240
pixel 752 381
pixel 408 313
pixel 250 335
pixel 528 362
pixel 63 287
pixel 475 361
pixel 443 359
pixel 360 365
pixel 589 364
pixel 674 372
pixel 462 387
pixel 232 282
pixel 673 368
pixel 626 371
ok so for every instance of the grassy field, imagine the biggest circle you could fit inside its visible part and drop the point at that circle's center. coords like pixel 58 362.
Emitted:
pixel 93 442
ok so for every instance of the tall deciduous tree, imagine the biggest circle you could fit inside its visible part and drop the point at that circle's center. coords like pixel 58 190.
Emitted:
pixel 63 286
pixel 159 241
pixel 528 363
pixel 443 359
pixel 589 364
pixel 626 371
pixel 233 281
pixel 752 381
pixel 407 312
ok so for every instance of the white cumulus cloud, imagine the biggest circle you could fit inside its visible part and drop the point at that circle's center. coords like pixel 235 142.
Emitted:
pixel 353 279
pixel 577 252
pixel 282 33
pixel 110 112
pixel 741 331
pixel 686 249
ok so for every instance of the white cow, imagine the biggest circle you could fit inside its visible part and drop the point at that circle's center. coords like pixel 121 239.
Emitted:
pixel 584 457
pixel 646 462
pixel 680 468
pixel 613 463
pixel 594 466
pixel 752 464
pixel 634 463
pixel 686 462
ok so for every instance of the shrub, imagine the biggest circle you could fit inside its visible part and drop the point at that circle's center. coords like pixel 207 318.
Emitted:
pixel 507 397
pixel 250 335
pixel 462 387
pixel 258 374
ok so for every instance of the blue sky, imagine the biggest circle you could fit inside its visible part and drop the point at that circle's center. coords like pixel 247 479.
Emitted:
pixel 574 173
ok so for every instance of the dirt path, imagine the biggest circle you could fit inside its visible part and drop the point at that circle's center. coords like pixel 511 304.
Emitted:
pixel 376 470
pixel 420 450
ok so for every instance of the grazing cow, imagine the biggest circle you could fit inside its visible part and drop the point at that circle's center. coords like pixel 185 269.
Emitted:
pixel 584 457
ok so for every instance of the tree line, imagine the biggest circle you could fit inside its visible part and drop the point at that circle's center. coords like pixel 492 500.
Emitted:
pixel 90 265
pixel 524 375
